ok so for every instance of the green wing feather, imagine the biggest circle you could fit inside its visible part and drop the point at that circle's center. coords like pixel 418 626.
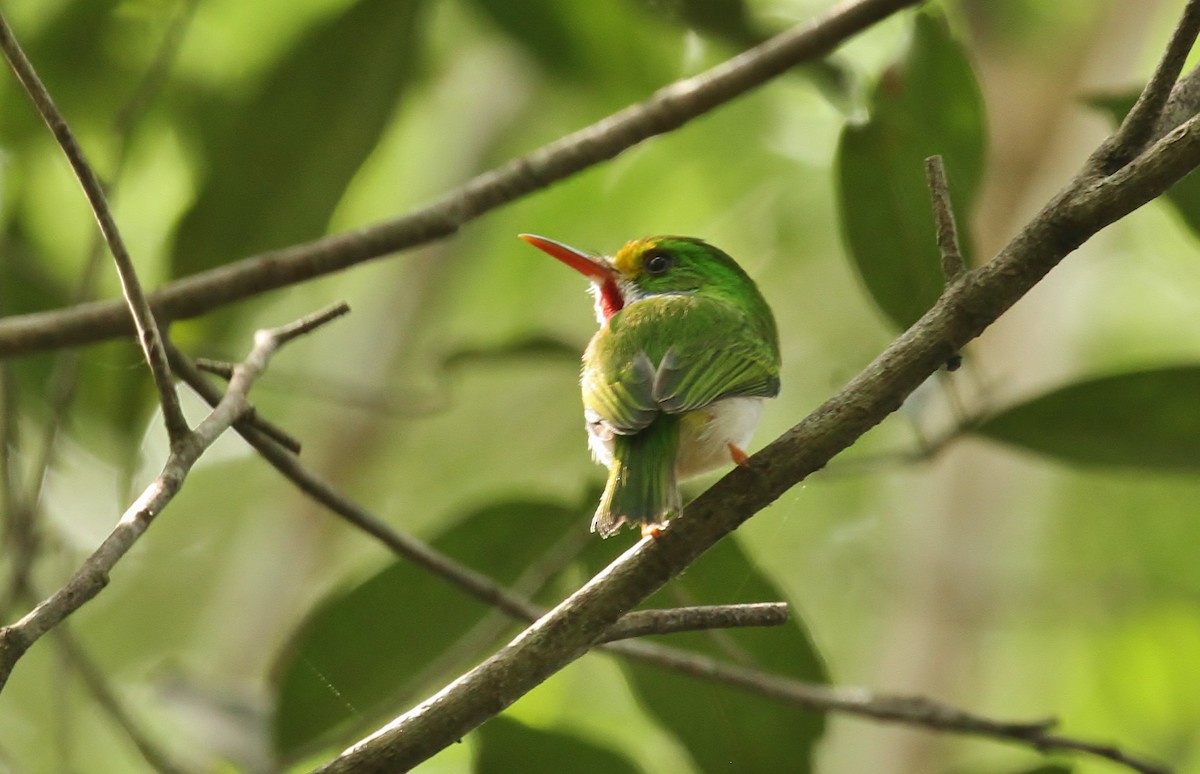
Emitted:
pixel 620 393
pixel 675 354
pixel 690 378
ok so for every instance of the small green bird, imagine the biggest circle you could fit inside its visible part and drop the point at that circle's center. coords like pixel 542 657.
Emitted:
pixel 674 380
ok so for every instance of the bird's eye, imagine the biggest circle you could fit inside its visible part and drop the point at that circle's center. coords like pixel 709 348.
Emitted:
pixel 658 262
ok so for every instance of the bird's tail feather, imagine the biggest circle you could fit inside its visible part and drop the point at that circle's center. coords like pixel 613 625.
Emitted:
pixel 641 480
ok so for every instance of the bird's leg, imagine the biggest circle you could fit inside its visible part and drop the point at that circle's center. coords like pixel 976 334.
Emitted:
pixel 652 531
pixel 739 457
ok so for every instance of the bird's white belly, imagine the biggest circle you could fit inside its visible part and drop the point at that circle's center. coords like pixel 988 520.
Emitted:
pixel 705 435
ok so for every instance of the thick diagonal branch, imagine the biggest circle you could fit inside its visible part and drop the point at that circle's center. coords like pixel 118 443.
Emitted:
pixel 853 701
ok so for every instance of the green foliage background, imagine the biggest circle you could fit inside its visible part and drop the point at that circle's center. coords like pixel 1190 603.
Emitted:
pixel 1043 562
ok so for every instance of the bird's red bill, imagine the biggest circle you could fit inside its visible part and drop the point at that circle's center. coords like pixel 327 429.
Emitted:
pixel 596 270
pixel 577 260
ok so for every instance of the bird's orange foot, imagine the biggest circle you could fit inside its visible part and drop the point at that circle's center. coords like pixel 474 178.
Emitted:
pixel 739 457
pixel 651 531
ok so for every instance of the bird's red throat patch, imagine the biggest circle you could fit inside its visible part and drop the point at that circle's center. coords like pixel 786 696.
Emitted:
pixel 611 301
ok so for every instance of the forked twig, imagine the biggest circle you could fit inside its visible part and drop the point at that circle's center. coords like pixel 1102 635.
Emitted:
pixel 92 575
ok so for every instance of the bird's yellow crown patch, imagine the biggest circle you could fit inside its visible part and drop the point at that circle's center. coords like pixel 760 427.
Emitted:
pixel 628 260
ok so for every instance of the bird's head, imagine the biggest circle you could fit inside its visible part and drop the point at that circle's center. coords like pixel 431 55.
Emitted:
pixel 651 266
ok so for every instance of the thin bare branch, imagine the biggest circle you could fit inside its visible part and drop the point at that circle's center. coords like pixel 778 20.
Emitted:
pixel 221 368
pixel 641 623
pixel 145 325
pixel 272 431
pixel 1182 105
pixel 224 370
pixel 943 216
pixel 953 265
pixel 915 711
pixel 668 109
pixel 92 575
pixel 307 324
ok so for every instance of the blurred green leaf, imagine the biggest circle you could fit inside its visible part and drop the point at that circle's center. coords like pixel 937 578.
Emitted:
pixel 927 104
pixel 544 28
pixel 1184 196
pixel 278 167
pixel 73 58
pixel 731 22
pixel 507 746
pixel 1142 419
pixel 362 648
pixel 721 726
pixel 114 390
pixel 1115 105
pixel 727 20
pixel 1160 700
pixel 25 284
pixel 589 44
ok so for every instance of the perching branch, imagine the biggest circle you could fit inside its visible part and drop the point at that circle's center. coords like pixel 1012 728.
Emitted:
pixel 148 334
pixel 667 110
pixel 858 702
pixel 92 576
pixel 964 311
